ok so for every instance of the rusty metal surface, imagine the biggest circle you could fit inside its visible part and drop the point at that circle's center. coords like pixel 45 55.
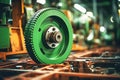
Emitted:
pixel 96 64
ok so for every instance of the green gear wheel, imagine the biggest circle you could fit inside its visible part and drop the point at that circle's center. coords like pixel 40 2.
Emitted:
pixel 35 32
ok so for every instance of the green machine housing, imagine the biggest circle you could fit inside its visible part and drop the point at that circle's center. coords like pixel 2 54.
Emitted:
pixel 4 40
pixel 4 30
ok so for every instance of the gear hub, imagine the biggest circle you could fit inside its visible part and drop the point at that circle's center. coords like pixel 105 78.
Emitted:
pixel 53 37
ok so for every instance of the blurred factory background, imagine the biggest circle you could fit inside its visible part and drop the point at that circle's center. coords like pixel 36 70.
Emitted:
pixel 96 31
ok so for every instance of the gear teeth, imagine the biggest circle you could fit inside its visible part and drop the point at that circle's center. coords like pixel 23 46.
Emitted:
pixel 29 38
pixel 29 34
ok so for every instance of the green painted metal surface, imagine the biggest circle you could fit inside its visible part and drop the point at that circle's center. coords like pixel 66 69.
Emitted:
pixel 7 2
pixel 4 37
pixel 35 36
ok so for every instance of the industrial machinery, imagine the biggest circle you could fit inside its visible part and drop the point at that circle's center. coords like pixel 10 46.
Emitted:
pixel 12 41
pixel 48 39
pixel 48 36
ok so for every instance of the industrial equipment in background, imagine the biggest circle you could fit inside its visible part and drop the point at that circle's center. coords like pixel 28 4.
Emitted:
pixel 4 29
pixel 12 41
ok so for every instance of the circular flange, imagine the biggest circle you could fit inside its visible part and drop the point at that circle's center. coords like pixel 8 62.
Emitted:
pixel 37 43
pixel 53 37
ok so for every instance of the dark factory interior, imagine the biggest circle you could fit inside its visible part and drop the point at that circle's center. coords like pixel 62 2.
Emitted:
pixel 59 39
